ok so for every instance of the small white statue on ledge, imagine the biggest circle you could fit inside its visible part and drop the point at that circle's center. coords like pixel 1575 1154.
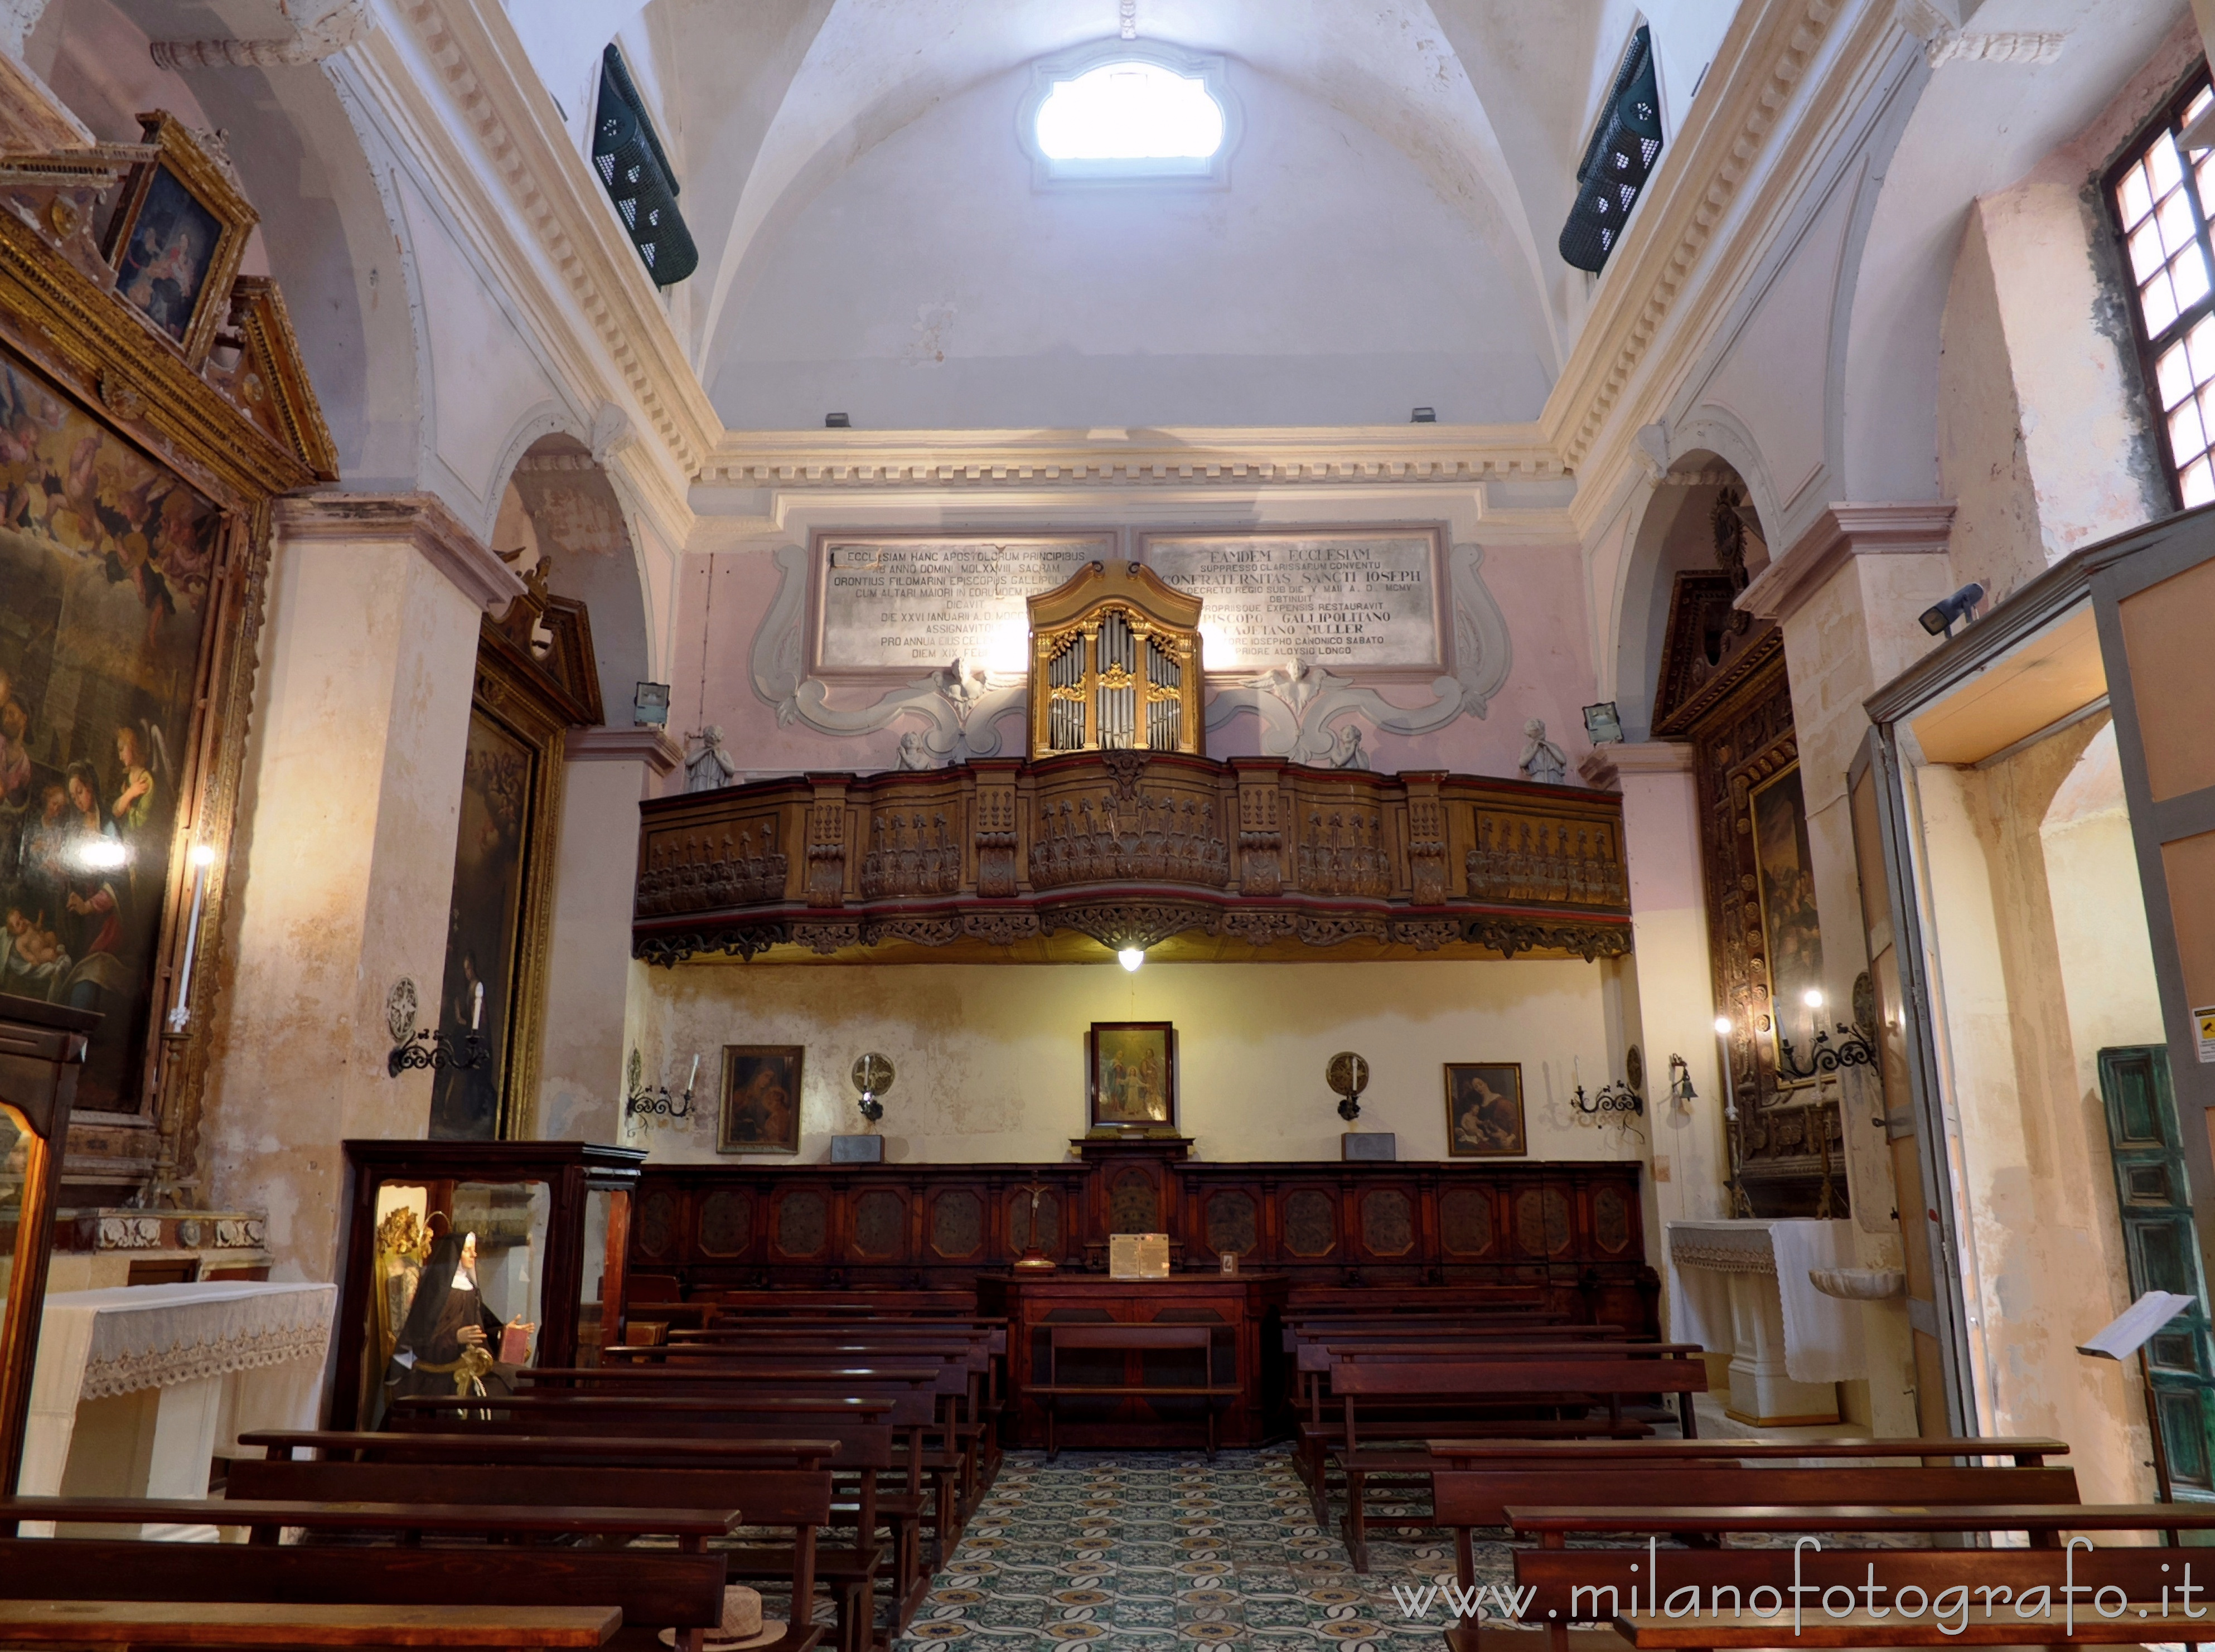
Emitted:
pixel 712 767
pixel 1542 761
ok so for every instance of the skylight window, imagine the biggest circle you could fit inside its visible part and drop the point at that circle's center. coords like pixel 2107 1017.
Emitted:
pixel 1130 111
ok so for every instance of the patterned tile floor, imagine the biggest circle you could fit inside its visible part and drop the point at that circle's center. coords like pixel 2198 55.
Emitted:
pixel 1135 1550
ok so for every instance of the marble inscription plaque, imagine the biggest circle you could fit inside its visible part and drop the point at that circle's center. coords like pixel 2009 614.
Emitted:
pixel 907 604
pixel 1346 601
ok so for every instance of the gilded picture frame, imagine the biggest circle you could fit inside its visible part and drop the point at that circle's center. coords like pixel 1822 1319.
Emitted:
pixel 761 1093
pixel 1131 1076
pixel 1784 887
pixel 63 324
pixel 1484 1111
pixel 177 239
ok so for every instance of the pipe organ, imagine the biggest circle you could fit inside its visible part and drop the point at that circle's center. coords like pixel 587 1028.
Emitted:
pixel 1115 664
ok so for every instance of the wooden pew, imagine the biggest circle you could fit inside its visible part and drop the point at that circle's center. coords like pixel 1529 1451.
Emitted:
pixel 265 1519
pixel 862 1426
pixel 347 1445
pixel 1132 1339
pixel 652 1590
pixel 1608 1376
pixel 729 1377
pixel 183 1623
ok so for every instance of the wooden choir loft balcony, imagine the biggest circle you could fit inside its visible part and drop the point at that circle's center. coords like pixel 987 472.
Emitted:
pixel 1068 859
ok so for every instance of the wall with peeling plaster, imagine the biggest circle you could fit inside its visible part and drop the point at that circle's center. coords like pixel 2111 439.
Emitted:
pixel 990 1057
pixel 2046 1259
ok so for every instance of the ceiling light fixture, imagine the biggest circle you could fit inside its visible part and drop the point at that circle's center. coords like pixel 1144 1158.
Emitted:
pixel 1131 957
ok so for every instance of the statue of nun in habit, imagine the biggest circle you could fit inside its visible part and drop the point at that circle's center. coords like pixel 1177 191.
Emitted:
pixel 451 1340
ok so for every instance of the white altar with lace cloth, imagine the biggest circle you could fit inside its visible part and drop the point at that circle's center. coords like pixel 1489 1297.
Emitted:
pixel 1743 1286
pixel 162 1378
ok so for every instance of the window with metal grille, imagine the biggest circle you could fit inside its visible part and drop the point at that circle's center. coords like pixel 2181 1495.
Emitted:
pixel 1625 145
pixel 2160 195
pixel 635 170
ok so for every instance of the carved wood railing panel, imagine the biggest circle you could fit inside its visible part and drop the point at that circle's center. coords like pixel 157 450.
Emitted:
pixel 1575 1229
pixel 1133 848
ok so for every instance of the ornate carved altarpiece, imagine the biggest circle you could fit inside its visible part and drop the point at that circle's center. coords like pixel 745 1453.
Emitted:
pixel 1723 689
pixel 155 403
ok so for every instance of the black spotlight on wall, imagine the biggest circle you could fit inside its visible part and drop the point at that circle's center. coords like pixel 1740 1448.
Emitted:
pixel 1939 619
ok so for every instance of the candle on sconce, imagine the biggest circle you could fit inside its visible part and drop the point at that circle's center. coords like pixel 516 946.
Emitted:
pixel 180 1012
pixel 695 1076
pixel 477 1010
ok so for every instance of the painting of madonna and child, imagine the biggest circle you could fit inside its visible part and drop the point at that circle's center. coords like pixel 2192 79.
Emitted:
pixel 105 560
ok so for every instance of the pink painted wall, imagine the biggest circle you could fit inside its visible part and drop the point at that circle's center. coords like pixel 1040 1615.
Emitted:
pixel 724 597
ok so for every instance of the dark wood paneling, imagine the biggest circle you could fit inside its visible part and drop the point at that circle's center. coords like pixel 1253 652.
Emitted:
pixel 1575 1231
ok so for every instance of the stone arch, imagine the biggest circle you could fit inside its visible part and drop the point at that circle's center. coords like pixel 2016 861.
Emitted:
pixel 1668 533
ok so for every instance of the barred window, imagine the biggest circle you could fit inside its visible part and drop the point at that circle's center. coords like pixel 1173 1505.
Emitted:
pixel 2160 194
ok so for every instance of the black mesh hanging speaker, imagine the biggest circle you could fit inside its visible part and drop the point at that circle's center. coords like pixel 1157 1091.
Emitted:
pixel 1624 147
pixel 638 176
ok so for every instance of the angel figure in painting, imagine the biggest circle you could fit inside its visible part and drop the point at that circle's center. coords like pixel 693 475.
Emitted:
pixel 450 1340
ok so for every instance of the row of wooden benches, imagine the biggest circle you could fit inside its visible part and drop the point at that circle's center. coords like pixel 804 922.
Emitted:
pixel 782 1462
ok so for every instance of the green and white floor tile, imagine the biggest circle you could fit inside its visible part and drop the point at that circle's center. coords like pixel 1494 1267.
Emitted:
pixel 1127 1551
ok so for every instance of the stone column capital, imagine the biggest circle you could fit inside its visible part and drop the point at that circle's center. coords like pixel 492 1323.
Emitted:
pixel 1842 532
pixel 650 746
pixel 1604 766
pixel 421 520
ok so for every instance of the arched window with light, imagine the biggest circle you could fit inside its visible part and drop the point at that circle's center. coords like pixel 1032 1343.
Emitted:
pixel 1129 112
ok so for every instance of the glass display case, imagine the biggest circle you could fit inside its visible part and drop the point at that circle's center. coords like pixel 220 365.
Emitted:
pixel 42 1050
pixel 466 1261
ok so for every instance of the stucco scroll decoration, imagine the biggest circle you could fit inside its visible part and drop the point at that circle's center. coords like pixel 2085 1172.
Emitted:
pixel 1307 712
pixel 962 705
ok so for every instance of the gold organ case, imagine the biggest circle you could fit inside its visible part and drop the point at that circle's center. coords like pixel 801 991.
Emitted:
pixel 1115 664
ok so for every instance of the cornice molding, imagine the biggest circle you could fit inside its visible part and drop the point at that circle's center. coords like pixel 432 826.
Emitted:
pixel 1840 533
pixel 1604 766
pixel 1649 300
pixel 520 170
pixel 421 520
pixel 1246 456
pixel 650 746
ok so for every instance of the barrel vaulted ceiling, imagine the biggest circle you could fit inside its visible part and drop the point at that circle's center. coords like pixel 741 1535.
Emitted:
pixel 853 179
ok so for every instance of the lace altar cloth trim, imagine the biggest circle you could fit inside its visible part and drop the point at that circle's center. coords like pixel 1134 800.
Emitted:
pixel 1723 1258
pixel 157 1335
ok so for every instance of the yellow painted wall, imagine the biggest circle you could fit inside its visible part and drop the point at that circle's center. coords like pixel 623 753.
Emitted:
pixel 991 1058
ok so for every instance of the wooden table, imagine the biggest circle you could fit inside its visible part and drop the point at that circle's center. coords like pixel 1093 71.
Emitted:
pixel 1243 1309
pixel 185 1623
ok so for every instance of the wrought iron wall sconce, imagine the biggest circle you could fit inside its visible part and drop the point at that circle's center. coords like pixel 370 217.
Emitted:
pixel 1610 1099
pixel 873 1075
pixel 416 1048
pixel 1347 1074
pixel 1824 1057
pixel 642 1103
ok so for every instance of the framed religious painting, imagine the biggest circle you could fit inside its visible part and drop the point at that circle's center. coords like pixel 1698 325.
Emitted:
pixel 1484 1111
pixel 534 682
pixel 761 1099
pixel 1785 884
pixel 178 234
pixel 1130 1079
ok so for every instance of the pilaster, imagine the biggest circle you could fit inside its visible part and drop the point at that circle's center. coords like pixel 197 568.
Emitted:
pixel 350 805
pixel 1676 1007
pixel 581 1082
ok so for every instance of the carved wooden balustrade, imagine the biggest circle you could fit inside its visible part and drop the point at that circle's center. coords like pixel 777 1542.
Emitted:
pixel 1053 860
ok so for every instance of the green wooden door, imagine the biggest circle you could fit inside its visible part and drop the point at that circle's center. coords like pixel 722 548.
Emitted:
pixel 2163 1250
